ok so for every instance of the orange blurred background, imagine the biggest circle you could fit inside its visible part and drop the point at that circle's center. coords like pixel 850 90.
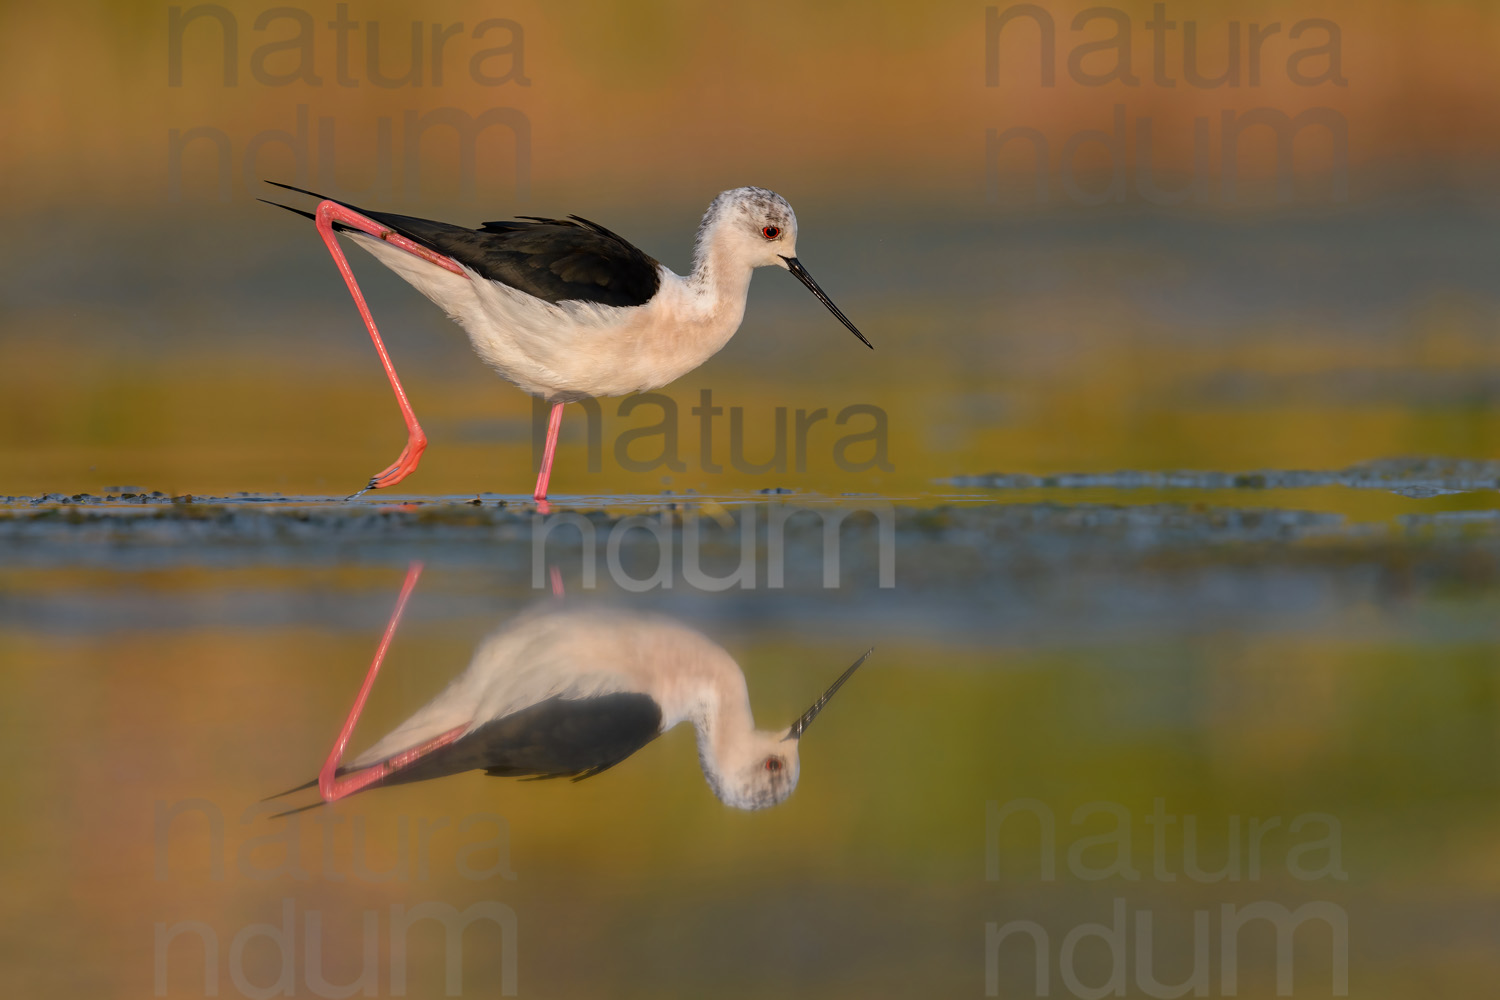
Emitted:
pixel 641 105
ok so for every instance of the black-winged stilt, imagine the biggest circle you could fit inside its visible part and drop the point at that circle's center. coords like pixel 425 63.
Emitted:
pixel 564 308
pixel 561 693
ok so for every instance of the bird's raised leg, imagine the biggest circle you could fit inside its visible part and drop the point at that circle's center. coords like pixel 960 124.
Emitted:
pixel 332 785
pixel 554 425
pixel 329 212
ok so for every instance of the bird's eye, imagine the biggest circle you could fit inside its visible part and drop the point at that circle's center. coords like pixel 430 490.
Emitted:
pixel 770 233
pixel 773 764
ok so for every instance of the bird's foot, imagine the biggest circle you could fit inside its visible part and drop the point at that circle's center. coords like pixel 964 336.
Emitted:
pixel 398 470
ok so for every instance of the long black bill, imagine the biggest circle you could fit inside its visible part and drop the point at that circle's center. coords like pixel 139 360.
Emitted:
pixel 795 266
pixel 800 726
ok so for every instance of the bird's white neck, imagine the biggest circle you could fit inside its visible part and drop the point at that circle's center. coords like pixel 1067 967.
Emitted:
pixel 736 757
pixel 720 713
pixel 719 279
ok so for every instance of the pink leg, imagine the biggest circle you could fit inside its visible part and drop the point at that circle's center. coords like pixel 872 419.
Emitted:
pixel 554 424
pixel 358 781
pixel 327 213
pixel 333 786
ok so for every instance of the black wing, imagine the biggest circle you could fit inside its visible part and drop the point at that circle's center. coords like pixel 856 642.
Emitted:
pixel 556 738
pixel 554 259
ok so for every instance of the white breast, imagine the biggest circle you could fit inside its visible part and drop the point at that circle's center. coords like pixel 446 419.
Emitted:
pixel 574 349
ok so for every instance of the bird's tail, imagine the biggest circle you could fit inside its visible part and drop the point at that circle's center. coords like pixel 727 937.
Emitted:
pixel 305 215
pixel 340 772
pixel 310 784
pixel 300 809
pixel 338 227
pixel 302 787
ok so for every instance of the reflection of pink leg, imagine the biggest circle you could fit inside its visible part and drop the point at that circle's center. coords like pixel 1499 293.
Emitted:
pixel 348 784
pixel 327 213
pixel 333 786
pixel 554 424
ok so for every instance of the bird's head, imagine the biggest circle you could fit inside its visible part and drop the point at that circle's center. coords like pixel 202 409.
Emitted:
pixel 752 227
pixel 762 770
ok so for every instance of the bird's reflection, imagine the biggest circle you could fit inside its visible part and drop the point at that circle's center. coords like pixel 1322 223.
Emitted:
pixel 564 692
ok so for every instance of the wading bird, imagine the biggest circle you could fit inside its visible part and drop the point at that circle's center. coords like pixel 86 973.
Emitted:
pixel 568 693
pixel 565 309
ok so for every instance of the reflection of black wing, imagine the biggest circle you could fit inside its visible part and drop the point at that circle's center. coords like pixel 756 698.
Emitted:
pixel 556 738
pixel 552 259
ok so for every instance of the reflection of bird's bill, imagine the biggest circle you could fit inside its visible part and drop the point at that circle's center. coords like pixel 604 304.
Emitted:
pixel 800 726
pixel 795 266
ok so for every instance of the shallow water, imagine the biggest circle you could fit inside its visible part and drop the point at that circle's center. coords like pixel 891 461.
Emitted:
pixel 1139 712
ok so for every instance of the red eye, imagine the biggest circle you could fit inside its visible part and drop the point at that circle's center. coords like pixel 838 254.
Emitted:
pixel 773 764
pixel 770 233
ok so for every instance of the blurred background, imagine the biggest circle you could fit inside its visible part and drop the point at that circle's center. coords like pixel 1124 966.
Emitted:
pixel 1222 237
pixel 1258 238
